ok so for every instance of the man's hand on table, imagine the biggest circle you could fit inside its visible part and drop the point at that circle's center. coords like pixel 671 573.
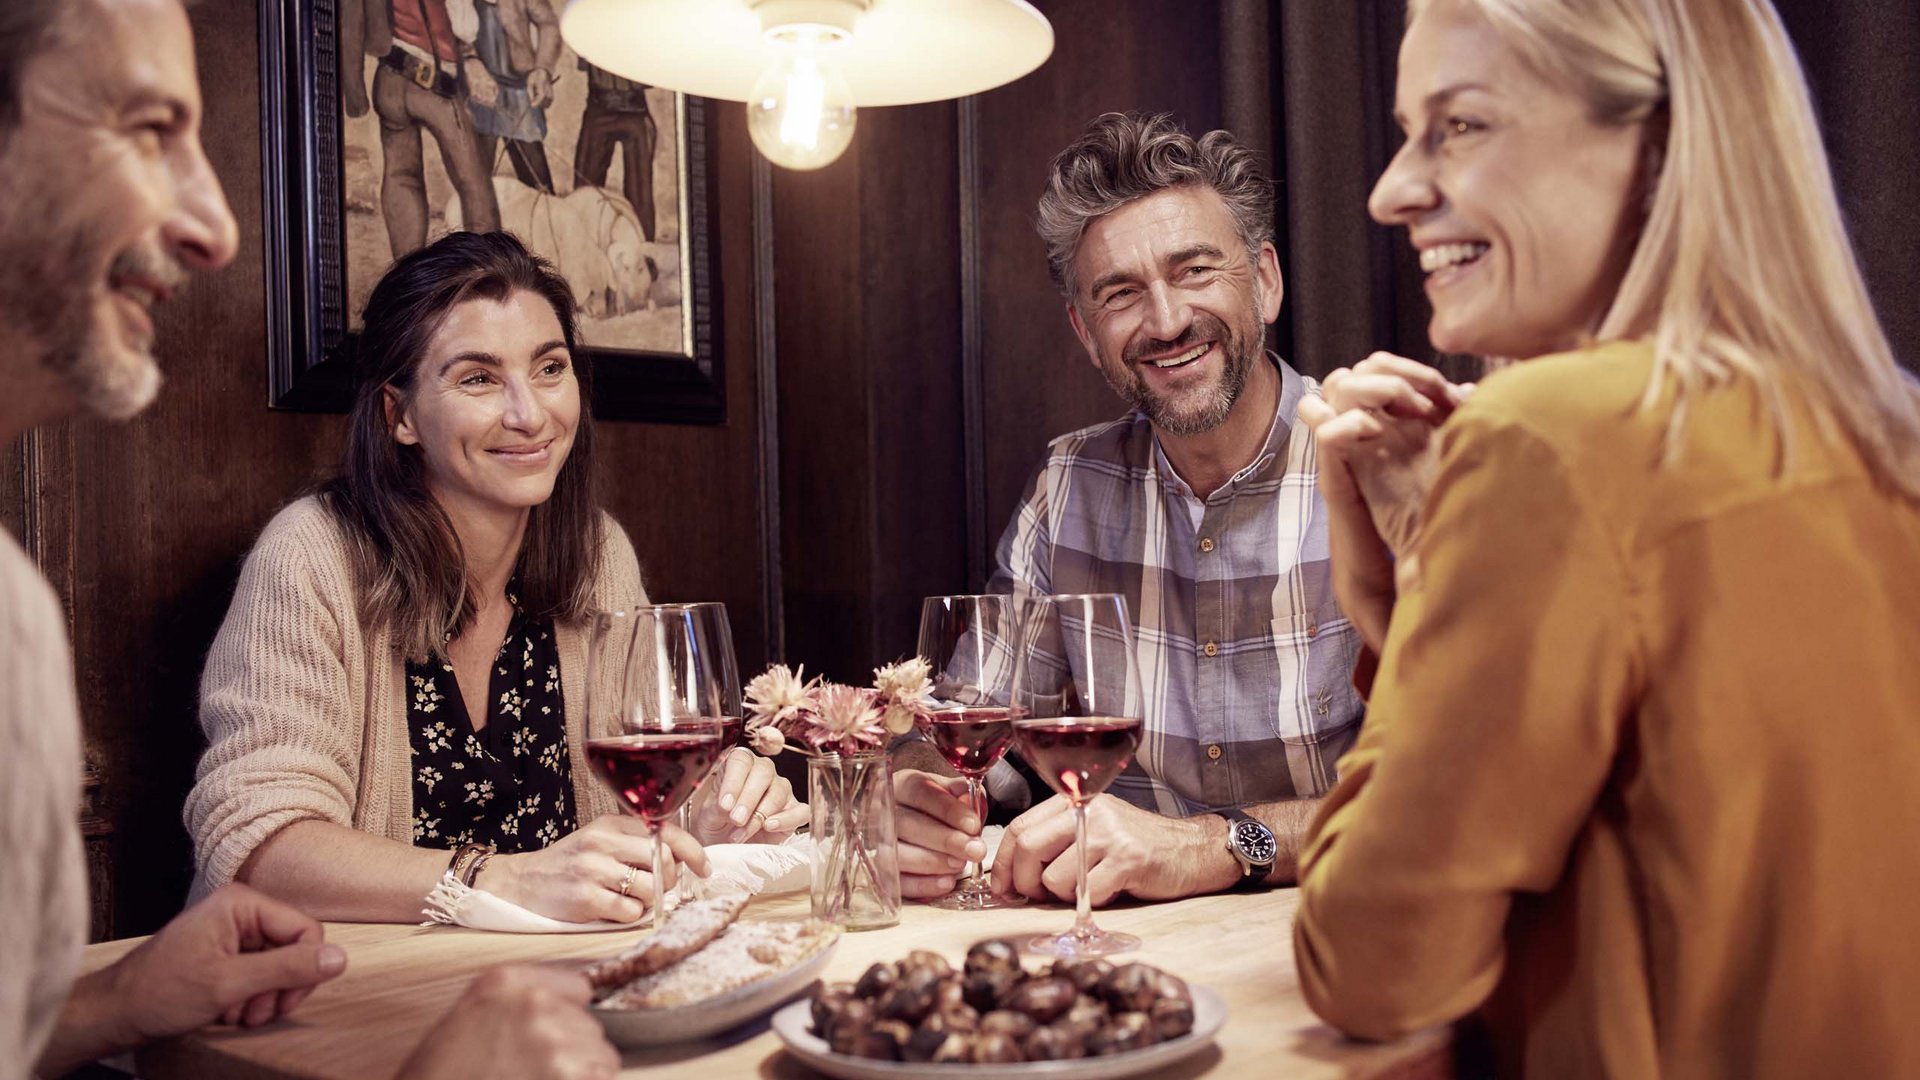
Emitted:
pixel 1132 851
pixel 938 832
pixel 516 1023
pixel 238 957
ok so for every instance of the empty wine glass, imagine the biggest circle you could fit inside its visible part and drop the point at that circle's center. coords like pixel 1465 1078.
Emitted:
pixel 1077 722
pixel 968 641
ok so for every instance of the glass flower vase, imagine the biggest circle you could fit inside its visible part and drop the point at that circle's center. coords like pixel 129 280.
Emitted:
pixel 856 870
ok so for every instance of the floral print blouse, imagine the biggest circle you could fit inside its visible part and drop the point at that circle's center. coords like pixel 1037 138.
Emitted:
pixel 509 784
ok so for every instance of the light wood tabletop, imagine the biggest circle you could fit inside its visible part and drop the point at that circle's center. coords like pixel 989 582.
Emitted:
pixel 400 979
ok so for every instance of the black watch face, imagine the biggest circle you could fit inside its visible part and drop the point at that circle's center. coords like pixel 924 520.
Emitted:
pixel 1254 842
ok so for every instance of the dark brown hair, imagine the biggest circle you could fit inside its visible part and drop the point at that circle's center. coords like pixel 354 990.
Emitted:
pixel 407 560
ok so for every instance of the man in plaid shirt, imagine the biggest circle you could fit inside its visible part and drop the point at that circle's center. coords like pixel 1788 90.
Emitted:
pixel 1199 507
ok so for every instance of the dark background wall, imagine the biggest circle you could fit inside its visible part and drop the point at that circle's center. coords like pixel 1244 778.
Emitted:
pixel 895 357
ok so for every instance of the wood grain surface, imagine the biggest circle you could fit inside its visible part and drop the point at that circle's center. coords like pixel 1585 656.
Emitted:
pixel 400 979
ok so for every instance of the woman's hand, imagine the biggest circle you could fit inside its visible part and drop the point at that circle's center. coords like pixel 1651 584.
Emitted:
pixel 747 799
pixel 1373 429
pixel 600 871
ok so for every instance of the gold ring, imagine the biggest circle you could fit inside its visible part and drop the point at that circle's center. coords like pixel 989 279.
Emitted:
pixel 627 882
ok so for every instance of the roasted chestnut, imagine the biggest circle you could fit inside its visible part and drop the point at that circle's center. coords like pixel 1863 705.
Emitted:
pixel 878 979
pixel 879 1043
pixel 1127 1031
pixel 846 1030
pixel 997 1047
pixel 994 956
pixel 1172 1018
pixel 1007 1022
pixel 1130 988
pixel 1086 1009
pixel 924 959
pixel 828 1001
pixel 1054 1043
pixel 959 1018
pixel 929 1045
pixel 1085 975
pixel 949 993
pixel 912 998
pixel 1046 1000
pixel 984 989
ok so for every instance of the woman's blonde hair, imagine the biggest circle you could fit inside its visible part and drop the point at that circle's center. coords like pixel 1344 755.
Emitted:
pixel 1743 267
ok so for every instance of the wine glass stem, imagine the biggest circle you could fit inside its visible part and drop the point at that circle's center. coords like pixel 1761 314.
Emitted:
pixel 1082 908
pixel 977 802
pixel 659 873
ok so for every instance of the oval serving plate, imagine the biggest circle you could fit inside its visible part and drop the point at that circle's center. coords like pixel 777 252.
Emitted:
pixel 1209 1012
pixel 710 1016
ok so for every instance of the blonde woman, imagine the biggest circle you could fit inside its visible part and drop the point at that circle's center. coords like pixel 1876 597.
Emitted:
pixel 1634 781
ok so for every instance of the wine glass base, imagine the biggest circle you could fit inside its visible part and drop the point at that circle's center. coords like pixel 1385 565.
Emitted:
pixel 975 900
pixel 1074 943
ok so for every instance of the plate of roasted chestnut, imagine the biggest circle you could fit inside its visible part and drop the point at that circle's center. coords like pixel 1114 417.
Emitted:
pixel 920 1017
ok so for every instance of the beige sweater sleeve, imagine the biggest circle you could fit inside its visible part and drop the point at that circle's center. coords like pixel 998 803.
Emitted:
pixel 278 704
pixel 42 885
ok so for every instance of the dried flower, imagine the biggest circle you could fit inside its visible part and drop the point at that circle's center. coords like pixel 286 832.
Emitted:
pixel 779 695
pixel 847 721
pixel 903 690
pixel 767 740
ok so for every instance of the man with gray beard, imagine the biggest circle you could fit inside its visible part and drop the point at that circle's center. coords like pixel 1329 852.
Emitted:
pixel 1199 507
pixel 107 204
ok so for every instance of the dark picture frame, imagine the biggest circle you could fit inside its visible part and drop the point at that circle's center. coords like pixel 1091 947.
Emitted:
pixel 305 242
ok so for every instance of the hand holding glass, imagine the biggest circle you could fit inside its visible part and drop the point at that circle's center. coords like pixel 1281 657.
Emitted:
pixel 969 641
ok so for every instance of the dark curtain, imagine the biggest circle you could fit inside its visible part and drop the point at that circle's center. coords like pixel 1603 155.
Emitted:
pixel 1318 99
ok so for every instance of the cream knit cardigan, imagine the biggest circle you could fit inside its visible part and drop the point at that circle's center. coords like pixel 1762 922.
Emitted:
pixel 305 712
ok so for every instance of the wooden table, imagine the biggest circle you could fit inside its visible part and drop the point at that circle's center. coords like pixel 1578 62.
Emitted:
pixel 399 979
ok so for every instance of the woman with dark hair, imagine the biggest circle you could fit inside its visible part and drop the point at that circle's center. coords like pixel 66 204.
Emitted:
pixel 400 676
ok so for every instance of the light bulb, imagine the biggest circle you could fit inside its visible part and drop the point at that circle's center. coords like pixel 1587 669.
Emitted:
pixel 801 114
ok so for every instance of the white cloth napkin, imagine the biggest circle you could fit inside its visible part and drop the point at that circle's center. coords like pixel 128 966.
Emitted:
pixel 758 868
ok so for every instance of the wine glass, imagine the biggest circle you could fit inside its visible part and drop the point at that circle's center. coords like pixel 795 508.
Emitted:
pixel 1077 721
pixel 662 687
pixel 969 642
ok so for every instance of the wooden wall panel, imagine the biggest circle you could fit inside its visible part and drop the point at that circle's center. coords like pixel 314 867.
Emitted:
pixel 872 492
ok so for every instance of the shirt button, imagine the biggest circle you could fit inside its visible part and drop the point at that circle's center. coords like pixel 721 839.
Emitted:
pixel 1313 630
pixel 1213 752
pixel 1210 649
pixel 1206 543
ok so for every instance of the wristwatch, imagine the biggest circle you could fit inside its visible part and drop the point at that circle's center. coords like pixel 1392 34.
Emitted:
pixel 1251 842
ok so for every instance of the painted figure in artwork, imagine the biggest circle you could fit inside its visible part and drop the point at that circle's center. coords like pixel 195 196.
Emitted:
pixel 517 47
pixel 418 85
pixel 616 117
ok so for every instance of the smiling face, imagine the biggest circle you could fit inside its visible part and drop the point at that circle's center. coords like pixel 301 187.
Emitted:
pixel 1524 210
pixel 493 407
pixel 109 197
pixel 1170 307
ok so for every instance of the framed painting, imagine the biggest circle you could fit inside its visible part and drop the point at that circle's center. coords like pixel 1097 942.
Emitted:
pixel 388 122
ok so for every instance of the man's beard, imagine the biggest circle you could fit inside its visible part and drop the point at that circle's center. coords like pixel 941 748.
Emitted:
pixel 60 306
pixel 1238 351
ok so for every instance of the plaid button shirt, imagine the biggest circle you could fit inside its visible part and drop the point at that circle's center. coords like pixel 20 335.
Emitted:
pixel 1245 659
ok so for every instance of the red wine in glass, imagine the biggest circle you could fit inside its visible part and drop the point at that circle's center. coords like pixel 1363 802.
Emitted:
pixel 972 738
pixel 655 773
pixel 1079 757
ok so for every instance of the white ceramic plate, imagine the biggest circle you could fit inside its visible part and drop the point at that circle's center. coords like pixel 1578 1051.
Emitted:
pixel 1209 1012
pixel 682 1023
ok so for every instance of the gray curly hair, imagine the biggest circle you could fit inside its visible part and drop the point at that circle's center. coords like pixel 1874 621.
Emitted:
pixel 1126 156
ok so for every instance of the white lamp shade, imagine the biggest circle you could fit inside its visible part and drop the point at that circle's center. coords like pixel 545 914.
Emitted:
pixel 901 52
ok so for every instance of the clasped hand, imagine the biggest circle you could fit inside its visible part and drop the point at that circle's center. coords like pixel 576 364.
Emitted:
pixel 1374 427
